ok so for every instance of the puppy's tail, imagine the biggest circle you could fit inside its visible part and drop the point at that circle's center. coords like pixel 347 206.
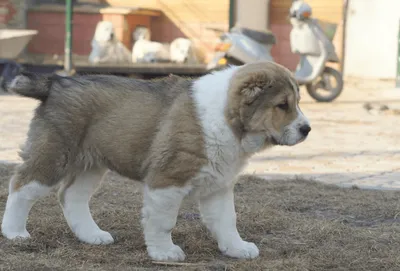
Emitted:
pixel 31 85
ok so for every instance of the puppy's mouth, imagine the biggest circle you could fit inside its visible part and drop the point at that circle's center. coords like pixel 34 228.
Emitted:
pixel 277 142
pixel 274 141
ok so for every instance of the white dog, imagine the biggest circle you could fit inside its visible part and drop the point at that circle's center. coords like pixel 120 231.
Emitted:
pixel 106 47
pixel 181 51
pixel 146 51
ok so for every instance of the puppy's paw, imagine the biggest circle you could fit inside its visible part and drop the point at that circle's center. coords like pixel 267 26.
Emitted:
pixel 97 238
pixel 14 235
pixel 171 254
pixel 241 250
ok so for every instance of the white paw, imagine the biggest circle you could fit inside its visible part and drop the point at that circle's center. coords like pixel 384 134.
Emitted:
pixel 13 235
pixel 241 250
pixel 97 238
pixel 172 254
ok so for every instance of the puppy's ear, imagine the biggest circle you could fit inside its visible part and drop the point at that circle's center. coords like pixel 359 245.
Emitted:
pixel 251 93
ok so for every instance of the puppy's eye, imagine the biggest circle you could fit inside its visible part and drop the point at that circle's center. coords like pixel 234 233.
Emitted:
pixel 284 106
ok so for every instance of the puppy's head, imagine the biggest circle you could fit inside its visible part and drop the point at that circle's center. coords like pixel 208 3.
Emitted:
pixel 104 32
pixel 141 33
pixel 263 106
pixel 180 50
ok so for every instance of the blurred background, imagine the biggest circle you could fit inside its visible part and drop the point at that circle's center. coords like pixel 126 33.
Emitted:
pixel 363 29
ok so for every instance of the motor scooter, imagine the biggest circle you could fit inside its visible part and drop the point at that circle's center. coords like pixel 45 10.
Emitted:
pixel 242 45
pixel 307 39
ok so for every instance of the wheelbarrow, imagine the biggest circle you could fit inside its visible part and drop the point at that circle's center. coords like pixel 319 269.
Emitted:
pixel 12 43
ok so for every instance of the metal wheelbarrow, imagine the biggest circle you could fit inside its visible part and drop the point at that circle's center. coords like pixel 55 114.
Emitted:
pixel 12 43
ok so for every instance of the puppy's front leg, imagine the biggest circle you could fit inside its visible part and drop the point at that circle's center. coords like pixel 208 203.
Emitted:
pixel 160 211
pixel 219 215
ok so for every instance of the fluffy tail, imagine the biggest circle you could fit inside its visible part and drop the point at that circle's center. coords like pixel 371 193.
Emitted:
pixel 31 85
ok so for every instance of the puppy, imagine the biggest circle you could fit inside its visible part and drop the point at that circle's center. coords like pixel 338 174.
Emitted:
pixel 146 51
pixel 106 48
pixel 182 51
pixel 179 136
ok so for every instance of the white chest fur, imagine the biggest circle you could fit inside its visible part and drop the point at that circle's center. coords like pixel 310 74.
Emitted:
pixel 222 147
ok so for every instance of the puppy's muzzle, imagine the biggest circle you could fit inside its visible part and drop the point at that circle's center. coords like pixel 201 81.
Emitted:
pixel 305 130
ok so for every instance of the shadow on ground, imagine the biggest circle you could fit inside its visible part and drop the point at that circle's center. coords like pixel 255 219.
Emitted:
pixel 298 225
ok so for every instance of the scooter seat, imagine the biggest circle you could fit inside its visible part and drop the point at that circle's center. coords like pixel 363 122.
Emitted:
pixel 264 37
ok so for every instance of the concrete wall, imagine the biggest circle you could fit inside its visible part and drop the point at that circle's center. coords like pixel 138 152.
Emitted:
pixel 371 38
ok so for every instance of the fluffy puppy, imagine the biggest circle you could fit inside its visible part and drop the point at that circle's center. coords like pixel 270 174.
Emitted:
pixel 180 137
pixel 106 48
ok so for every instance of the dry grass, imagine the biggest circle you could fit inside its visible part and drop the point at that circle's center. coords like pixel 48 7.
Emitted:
pixel 298 225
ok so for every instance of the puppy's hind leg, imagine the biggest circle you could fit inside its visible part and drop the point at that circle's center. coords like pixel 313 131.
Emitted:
pixel 22 195
pixel 74 197
pixel 45 164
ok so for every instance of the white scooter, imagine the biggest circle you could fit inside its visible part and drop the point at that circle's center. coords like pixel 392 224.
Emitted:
pixel 307 39
pixel 243 45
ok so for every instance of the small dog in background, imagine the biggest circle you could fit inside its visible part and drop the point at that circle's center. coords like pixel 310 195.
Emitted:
pixel 144 50
pixel 182 51
pixel 106 48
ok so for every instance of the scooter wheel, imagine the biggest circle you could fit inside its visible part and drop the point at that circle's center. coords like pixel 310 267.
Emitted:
pixel 322 90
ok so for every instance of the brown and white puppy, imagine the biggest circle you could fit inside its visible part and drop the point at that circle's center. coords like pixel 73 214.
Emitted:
pixel 179 136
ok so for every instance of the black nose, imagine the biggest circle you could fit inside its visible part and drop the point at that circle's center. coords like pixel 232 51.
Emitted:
pixel 305 129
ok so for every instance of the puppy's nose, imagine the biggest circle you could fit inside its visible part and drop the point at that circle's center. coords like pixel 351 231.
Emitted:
pixel 305 129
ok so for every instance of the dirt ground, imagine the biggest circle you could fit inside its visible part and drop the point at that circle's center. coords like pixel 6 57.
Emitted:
pixel 297 223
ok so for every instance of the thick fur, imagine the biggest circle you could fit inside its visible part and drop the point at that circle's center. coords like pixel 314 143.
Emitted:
pixel 179 136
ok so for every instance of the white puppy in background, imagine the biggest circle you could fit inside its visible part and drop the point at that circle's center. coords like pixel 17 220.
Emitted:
pixel 144 50
pixel 182 51
pixel 106 48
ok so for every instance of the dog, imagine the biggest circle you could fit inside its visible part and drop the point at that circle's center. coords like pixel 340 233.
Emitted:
pixel 106 48
pixel 179 136
pixel 182 51
pixel 144 50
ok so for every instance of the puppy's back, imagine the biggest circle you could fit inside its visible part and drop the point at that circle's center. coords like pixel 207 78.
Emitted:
pixel 100 119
